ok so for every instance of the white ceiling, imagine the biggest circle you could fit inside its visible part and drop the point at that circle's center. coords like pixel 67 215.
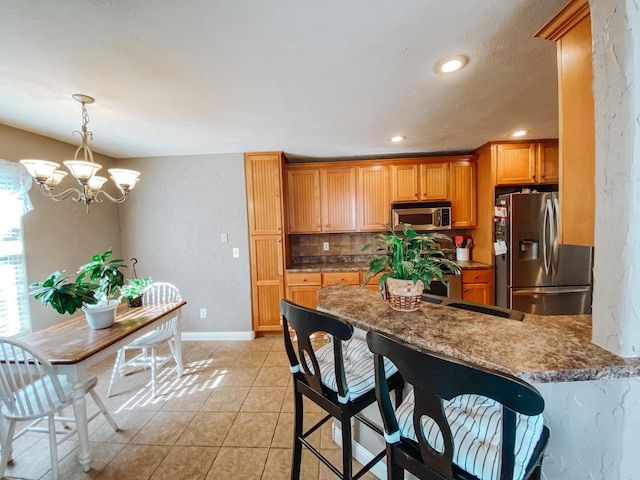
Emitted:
pixel 330 78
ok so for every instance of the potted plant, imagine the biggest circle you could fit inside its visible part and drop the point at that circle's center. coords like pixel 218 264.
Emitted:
pixel 133 290
pixel 95 289
pixel 407 266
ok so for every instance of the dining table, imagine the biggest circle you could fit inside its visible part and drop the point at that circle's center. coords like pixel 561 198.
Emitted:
pixel 74 348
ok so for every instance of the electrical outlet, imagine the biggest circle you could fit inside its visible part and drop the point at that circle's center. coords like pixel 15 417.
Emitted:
pixel 224 238
pixel 203 313
pixel 236 252
pixel 325 246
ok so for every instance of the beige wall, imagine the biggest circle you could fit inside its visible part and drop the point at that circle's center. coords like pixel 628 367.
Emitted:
pixel 58 235
pixel 172 224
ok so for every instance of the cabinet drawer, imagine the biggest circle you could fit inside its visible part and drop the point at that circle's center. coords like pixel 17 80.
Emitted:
pixel 304 279
pixel 341 278
pixel 476 276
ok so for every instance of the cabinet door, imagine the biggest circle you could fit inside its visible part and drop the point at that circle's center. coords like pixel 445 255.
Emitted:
pixel 374 206
pixel 434 181
pixel 264 192
pixel 267 282
pixel 463 194
pixel 338 194
pixel 303 200
pixel 547 162
pixel 515 163
pixel 305 295
pixel 405 183
pixel 477 292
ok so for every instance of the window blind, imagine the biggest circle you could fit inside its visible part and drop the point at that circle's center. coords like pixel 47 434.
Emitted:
pixel 14 301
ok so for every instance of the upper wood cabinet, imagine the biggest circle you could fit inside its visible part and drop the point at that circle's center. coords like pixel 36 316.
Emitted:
pixel 338 199
pixel 571 29
pixel 526 163
pixel 263 173
pixel 405 183
pixel 434 181
pixel 321 199
pixel 373 198
pixel 463 194
pixel 420 181
pixel 356 196
pixel 303 200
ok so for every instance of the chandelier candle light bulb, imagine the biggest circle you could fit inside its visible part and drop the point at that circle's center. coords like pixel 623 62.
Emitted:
pixel 48 177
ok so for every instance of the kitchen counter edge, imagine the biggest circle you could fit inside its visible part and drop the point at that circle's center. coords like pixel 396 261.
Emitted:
pixel 539 349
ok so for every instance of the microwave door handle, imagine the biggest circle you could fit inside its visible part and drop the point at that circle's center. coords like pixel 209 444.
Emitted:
pixel 439 216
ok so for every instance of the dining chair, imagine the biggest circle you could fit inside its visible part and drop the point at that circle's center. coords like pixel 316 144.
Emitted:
pixel 155 294
pixel 338 377
pixel 31 391
pixel 460 421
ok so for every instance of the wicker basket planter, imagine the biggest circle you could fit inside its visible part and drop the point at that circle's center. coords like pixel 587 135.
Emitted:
pixel 404 295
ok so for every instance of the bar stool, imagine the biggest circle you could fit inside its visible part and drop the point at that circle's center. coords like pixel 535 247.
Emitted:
pixel 338 377
pixel 460 421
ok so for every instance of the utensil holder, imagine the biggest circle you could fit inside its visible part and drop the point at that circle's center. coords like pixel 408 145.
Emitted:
pixel 462 254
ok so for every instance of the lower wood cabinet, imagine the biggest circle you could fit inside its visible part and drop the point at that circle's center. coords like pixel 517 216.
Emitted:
pixel 267 284
pixel 303 288
pixel 477 286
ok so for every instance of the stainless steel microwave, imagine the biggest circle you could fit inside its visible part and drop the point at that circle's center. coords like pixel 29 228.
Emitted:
pixel 422 215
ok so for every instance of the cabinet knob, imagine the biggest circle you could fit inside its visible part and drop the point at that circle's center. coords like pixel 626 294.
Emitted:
pixel 533 176
pixel 542 175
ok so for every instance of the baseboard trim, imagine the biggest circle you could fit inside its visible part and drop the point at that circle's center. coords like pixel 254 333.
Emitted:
pixel 362 455
pixel 213 336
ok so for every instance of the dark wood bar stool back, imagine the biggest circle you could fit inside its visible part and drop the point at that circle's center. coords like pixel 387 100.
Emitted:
pixel 460 421
pixel 338 377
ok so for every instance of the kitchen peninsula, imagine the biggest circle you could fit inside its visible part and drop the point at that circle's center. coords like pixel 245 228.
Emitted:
pixel 554 353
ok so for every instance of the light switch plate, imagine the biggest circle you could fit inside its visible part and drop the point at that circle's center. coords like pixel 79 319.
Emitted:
pixel 236 252
pixel 325 246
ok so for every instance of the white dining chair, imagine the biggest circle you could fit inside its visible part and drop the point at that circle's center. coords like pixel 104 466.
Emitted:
pixel 31 391
pixel 156 294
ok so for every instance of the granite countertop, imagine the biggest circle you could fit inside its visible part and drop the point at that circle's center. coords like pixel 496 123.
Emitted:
pixel 539 349
pixel 348 266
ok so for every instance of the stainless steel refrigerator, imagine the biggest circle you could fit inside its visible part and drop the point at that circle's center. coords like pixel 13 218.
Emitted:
pixel 537 274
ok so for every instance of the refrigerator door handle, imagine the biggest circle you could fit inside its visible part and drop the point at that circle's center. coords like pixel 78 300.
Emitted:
pixel 550 291
pixel 546 247
pixel 554 237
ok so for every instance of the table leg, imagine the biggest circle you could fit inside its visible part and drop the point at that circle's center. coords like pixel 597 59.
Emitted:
pixel 80 413
pixel 178 343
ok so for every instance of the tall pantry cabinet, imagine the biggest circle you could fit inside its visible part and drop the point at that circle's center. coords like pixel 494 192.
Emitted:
pixel 571 30
pixel 263 171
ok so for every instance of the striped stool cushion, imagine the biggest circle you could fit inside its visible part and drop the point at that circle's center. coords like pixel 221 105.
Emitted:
pixel 476 426
pixel 358 367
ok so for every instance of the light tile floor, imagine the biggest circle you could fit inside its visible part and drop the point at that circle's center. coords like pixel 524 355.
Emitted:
pixel 230 416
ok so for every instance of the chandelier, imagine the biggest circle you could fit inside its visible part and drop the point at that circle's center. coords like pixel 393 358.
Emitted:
pixel 48 177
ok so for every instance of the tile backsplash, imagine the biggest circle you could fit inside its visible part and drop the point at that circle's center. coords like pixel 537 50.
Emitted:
pixel 342 246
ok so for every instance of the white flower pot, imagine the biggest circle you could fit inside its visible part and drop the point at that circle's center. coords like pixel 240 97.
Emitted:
pixel 101 315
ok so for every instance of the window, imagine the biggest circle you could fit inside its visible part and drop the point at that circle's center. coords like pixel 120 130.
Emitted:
pixel 14 303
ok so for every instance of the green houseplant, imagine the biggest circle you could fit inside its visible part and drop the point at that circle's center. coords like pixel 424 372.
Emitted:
pixel 407 265
pixel 95 289
pixel 132 290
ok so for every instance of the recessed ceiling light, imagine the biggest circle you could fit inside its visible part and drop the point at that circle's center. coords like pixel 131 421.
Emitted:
pixel 397 138
pixel 451 64
pixel 519 133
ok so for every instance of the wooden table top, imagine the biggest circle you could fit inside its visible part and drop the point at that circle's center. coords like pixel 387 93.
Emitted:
pixel 73 341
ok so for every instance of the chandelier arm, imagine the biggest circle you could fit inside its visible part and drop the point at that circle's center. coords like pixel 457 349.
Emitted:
pixel 109 197
pixel 62 195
